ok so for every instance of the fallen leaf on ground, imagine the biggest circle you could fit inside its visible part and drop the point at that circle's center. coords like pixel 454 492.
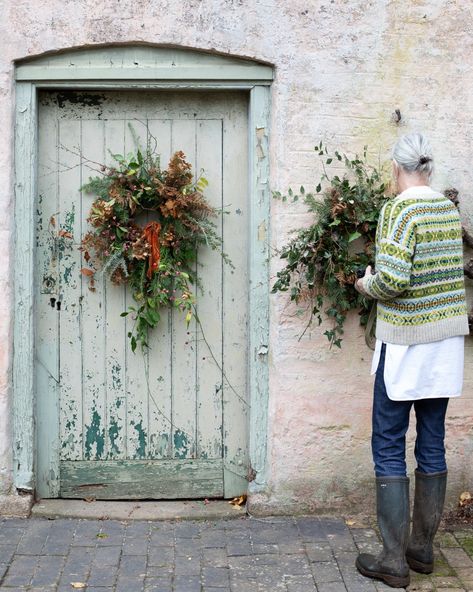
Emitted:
pixel 465 498
pixel 86 271
pixel 238 501
pixel 78 585
pixel 102 535
pixel 350 522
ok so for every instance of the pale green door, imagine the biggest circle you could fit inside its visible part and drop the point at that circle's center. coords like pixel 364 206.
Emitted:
pixel 112 424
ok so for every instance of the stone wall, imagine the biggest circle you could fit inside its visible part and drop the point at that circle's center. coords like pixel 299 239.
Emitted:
pixel 342 67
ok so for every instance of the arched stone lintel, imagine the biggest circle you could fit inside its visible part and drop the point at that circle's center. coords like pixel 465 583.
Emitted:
pixel 141 62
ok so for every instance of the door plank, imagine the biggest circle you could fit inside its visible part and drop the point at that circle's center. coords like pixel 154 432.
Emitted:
pixel 124 479
pixel 235 307
pixel 71 290
pixel 183 337
pixel 137 363
pixel 117 343
pixel 47 316
pixel 94 311
pixel 209 302
pixel 160 345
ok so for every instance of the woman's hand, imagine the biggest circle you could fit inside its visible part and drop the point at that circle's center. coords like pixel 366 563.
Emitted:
pixel 359 287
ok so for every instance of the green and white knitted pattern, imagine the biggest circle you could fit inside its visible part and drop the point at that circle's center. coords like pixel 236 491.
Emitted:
pixel 419 281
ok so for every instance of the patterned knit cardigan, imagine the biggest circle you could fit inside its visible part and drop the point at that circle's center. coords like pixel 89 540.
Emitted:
pixel 419 281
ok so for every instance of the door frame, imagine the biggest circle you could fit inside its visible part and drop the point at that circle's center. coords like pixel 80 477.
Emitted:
pixel 127 68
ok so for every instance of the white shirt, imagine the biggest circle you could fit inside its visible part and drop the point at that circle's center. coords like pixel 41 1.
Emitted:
pixel 423 371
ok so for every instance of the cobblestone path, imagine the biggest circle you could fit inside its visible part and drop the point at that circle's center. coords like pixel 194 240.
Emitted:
pixel 241 555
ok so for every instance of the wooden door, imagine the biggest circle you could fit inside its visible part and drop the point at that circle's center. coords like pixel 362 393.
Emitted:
pixel 111 424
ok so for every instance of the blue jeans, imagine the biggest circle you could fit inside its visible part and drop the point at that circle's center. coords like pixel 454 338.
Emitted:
pixel 390 423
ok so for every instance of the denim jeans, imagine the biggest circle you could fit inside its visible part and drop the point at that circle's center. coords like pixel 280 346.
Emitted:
pixel 390 423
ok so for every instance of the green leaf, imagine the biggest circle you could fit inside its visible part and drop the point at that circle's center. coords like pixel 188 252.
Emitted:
pixel 318 188
pixel 353 236
pixel 133 344
pixel 152 316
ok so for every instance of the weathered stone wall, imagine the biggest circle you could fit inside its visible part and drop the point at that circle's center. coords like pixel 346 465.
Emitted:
pixel 342 68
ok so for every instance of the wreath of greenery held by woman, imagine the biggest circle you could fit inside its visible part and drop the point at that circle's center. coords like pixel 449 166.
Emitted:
pixel 148 224
pixel 322 260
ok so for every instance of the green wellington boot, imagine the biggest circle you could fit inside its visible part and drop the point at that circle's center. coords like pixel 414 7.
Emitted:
pixel 428 506
pixel 390 566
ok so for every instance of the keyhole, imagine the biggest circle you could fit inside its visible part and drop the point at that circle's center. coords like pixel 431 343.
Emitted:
pixel 58 305
pixel 52 302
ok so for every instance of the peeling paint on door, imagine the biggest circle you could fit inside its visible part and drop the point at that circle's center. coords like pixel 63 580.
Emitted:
pixel 167 405
pixel 94 438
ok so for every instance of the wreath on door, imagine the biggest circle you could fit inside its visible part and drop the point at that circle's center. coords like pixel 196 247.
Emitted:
pixel 147 226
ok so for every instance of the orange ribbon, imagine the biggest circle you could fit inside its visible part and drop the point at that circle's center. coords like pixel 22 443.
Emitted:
pixel 151 231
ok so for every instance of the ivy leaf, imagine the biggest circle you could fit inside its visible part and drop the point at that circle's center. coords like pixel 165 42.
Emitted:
pixel 353 236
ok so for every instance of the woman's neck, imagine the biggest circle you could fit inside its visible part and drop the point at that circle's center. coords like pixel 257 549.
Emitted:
pixel 405 181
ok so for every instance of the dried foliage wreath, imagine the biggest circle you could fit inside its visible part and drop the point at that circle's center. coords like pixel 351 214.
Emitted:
pixel 147 225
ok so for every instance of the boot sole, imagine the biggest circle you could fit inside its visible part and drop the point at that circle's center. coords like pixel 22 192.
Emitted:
pixel 419 567
pixel 393 581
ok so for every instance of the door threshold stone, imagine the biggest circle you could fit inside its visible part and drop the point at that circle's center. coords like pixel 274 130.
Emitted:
pixel 137 510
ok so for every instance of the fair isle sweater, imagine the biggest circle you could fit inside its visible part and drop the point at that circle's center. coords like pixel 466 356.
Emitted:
pixel 419 281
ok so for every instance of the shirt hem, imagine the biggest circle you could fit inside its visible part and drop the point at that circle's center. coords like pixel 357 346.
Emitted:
pixel 399 399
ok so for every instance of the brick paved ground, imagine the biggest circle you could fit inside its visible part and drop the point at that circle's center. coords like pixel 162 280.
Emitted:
pixel 241 555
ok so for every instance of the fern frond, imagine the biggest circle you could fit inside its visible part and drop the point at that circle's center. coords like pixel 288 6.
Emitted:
pixel 115 261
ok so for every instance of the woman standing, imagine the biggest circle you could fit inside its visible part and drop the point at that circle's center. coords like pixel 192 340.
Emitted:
pixel 421 321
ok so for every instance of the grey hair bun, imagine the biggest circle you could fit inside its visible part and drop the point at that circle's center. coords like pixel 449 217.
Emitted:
pixel 413 153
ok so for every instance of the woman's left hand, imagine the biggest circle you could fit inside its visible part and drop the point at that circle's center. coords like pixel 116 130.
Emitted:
pixel 359 287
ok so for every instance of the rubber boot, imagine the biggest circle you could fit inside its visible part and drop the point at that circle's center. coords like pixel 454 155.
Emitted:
pixel 392 502
pixel 428 507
